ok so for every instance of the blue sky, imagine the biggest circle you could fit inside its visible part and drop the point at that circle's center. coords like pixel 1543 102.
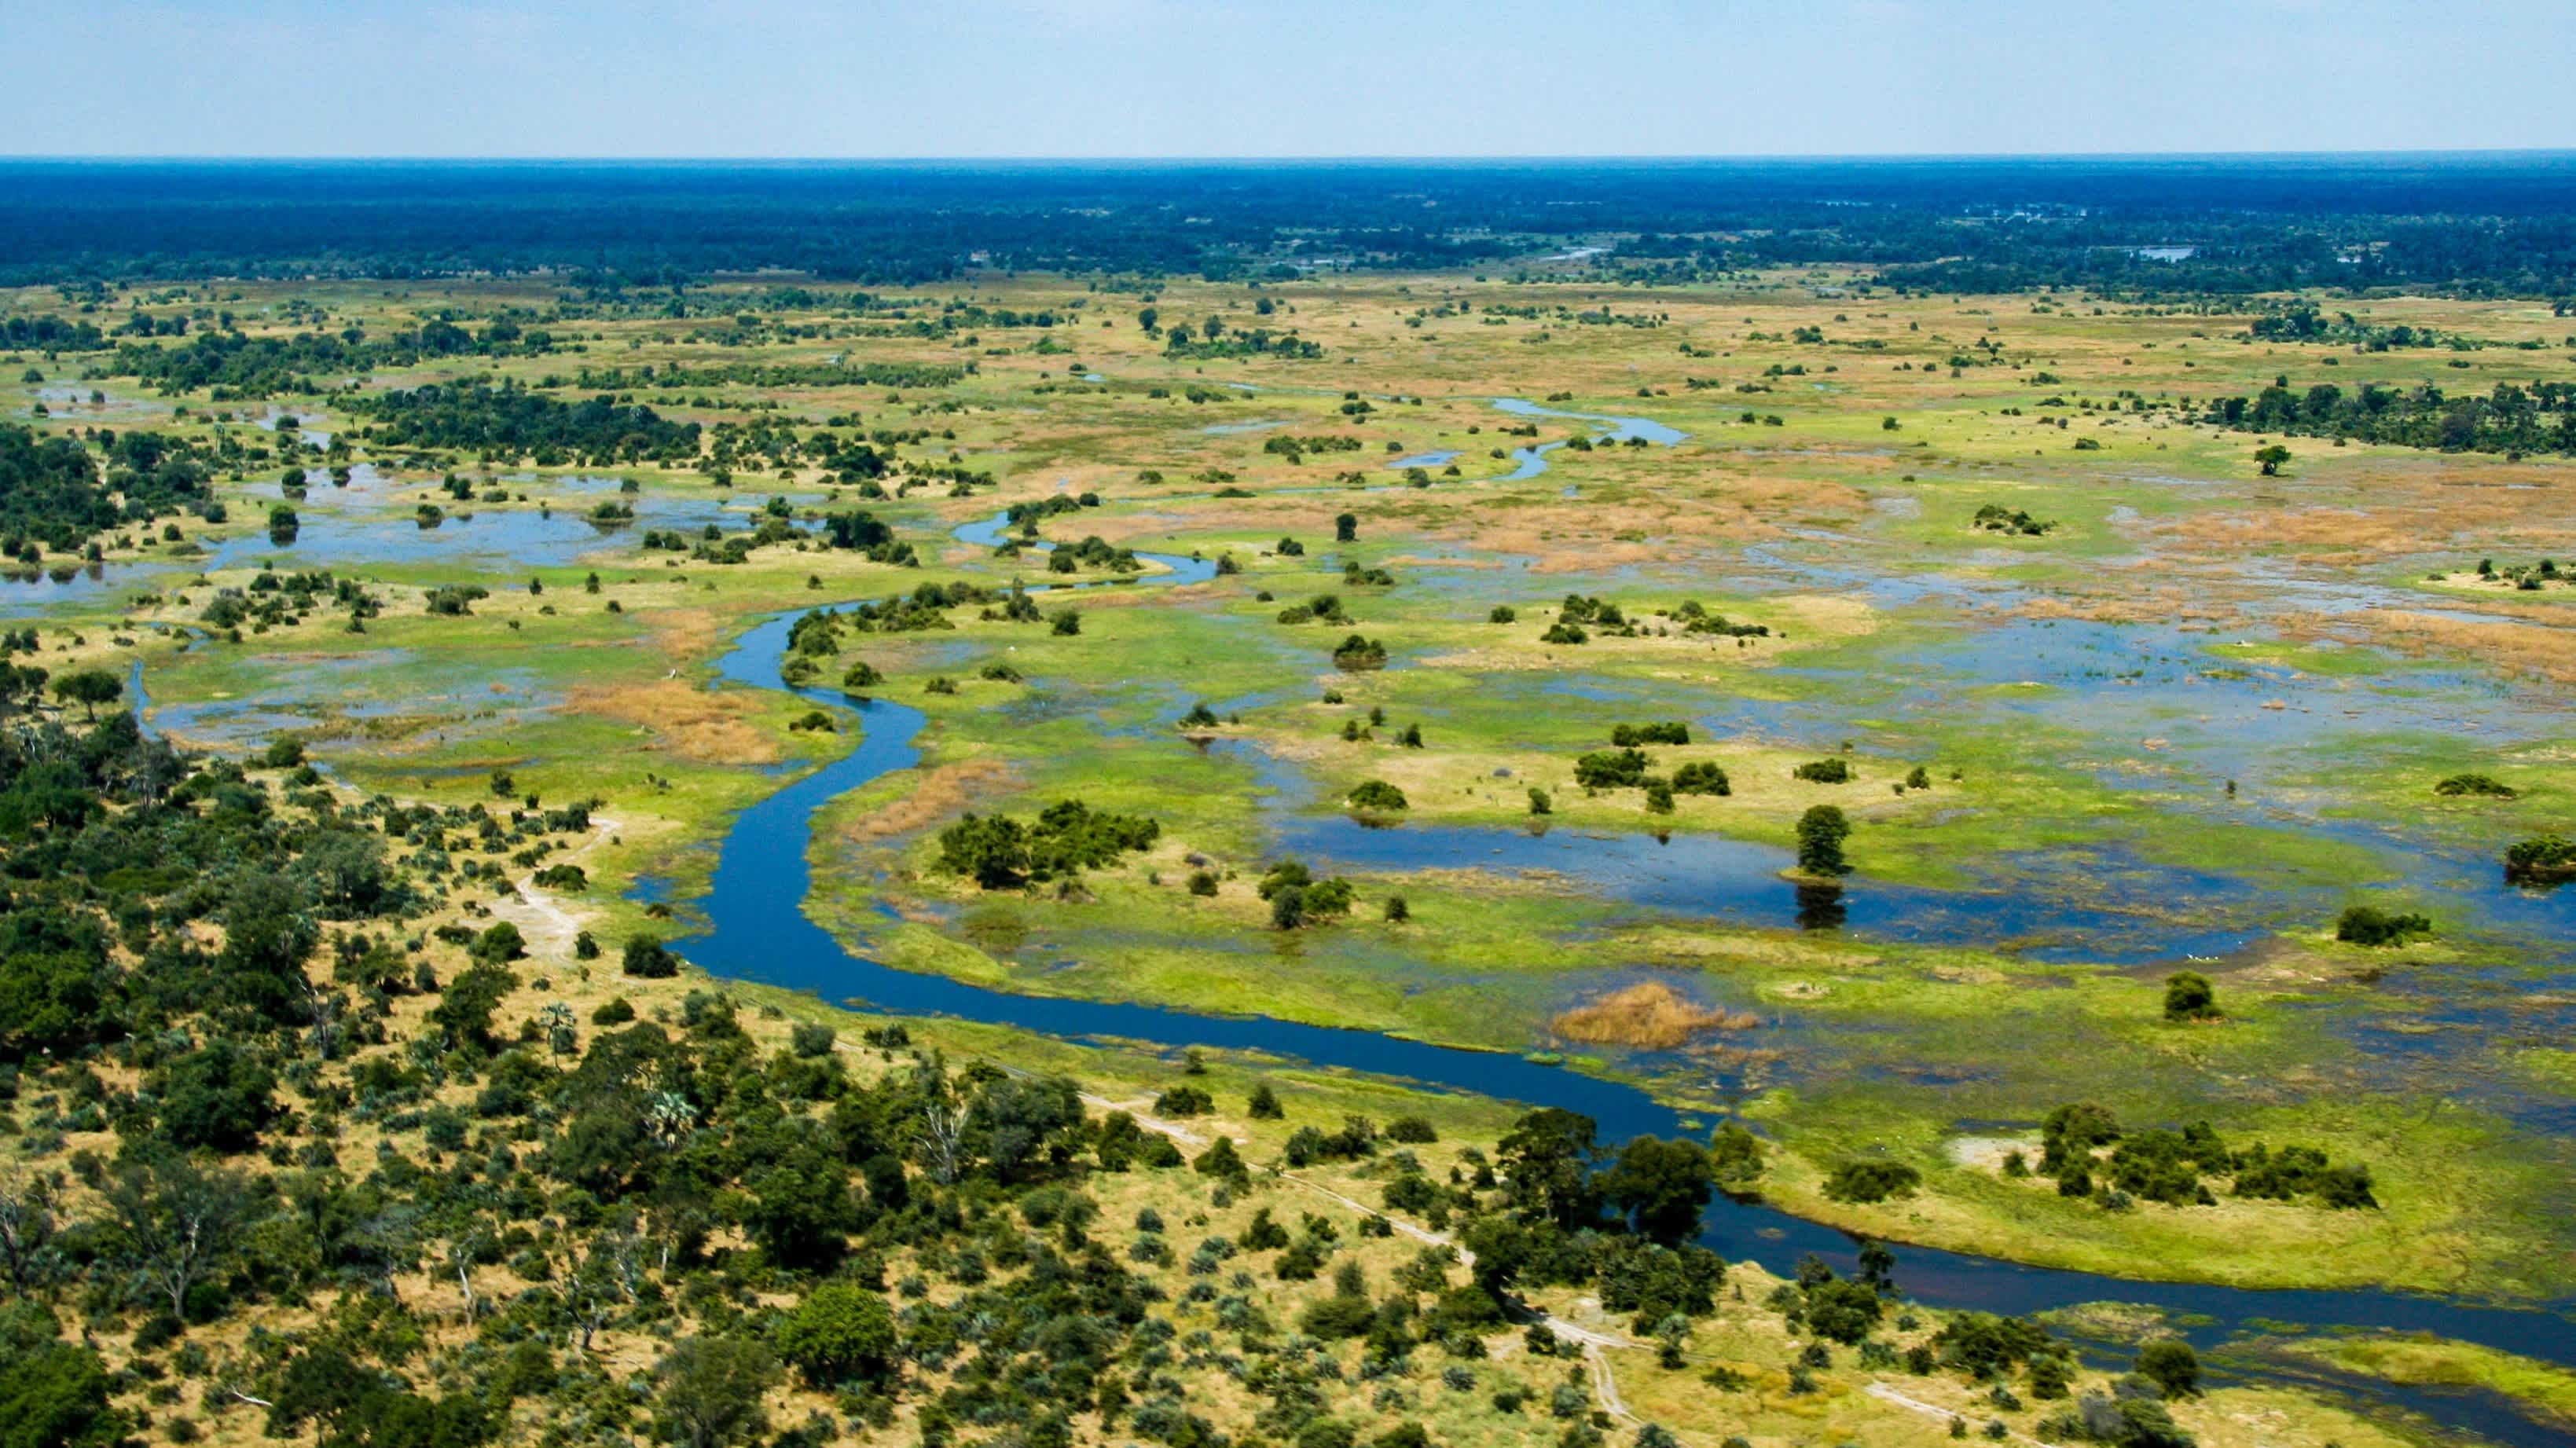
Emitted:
pixel 1091 78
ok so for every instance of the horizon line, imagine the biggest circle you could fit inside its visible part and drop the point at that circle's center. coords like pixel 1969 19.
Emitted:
pixel 1301 159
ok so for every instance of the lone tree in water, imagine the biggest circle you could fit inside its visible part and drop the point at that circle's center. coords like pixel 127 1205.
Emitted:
pixel 1821 832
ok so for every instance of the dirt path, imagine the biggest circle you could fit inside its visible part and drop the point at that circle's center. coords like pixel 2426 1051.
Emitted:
pixel 1886 1394
pixel 547 926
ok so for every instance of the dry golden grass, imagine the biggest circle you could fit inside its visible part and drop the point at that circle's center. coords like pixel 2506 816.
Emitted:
pixel 1649 1014
pixel 944 790
pixel 2378 506
pixel 684 719
pixel 2513 647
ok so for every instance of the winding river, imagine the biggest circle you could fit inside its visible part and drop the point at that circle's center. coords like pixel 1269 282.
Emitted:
pixel 758 930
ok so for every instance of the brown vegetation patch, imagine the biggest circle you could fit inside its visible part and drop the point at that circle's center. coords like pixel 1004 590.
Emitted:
pixel 686 634
pixel 1649 1014
pixel 686 720
pixel 943 791
pixel 2516 648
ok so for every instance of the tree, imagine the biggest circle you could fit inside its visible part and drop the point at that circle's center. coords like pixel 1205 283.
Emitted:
pixel 1222 1161
pixel 1015 1121
pixel 498 945
pixel 2170 1364
pixel 839 1332
pixel 1735 1155
pixel 1660 1186
pixel 801 1209
pixel 53 1394
pixel 992 850
pixel 269 933
pixel 217 1097
pixel 1346 528
pixel 89 688
pixel 464 1009
pixel 2271 459
pixel 1821 832
pixel 647 956
pixel 27 1253
pixel 174 1223
pixel 2370 925
pixel 1264 1105
pixel 1376 796
pixel 712 1387
pixel 1547 1167
pixel 2190 997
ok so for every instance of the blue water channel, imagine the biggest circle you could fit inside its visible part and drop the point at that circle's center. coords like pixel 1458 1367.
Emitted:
pixel 757 929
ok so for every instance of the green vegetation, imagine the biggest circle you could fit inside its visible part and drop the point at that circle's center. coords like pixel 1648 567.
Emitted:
pixel 1066 838
pixel 1996 518
pixel 1138 792
pixel 2370 925
pixel 2541 860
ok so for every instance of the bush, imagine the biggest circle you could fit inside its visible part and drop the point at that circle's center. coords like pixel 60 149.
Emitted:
pixel 2474 784
pixel 1222 1161
pixel 1701 777
pixel 2190 997
pixel 2370 925
pixel 1824 771
pixel 1356 654
pixel 1377 796
pixel 837 1333
pixel 2541 860
pixel 217 1097
pixel 1337 1317
pixel 1872 1181
pixel 1611 769
pixel 2171 1365
pixel 646 956
pixel 1184 1101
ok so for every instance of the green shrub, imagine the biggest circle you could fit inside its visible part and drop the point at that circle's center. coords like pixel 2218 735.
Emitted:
pixel 1377 796
pixel 1871 1181
pixel 2370 925
pixel 2190 997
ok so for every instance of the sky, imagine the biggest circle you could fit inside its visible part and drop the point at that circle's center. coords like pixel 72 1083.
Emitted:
pixel 1283 78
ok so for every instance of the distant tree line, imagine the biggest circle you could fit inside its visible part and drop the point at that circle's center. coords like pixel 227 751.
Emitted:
pixel 2482 226
pixel 2510 419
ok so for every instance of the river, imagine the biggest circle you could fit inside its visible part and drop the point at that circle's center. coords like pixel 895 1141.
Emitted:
pixel 758 930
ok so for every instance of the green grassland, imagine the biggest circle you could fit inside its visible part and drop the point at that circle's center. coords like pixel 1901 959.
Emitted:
pixel 1851 541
